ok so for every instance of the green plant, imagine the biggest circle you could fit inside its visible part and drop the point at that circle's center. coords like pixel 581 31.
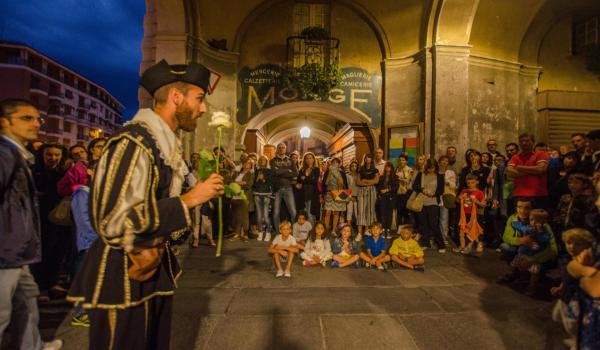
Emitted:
pixel 313 81
pixel 314 33
pixel 592 59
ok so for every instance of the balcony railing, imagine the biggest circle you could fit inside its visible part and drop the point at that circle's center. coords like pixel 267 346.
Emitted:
pixel 52 129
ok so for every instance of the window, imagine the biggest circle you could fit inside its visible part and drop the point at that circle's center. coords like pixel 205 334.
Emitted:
pixel 310 15
pixel 585 34
pixel 69 94
pixel 67 127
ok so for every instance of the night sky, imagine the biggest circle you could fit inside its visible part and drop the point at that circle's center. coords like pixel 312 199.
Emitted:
pixel 99 39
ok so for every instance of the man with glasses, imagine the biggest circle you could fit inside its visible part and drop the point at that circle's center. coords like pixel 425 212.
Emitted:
pixel 20 243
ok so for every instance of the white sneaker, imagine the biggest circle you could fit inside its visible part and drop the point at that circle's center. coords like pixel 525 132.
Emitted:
pixel 56 344
pixel 260 236
pixel 288 274
pixel 268 237
pixel 279 273
pixel 358 237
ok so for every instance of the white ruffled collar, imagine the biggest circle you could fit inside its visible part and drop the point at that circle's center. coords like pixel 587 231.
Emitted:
pixel 168 144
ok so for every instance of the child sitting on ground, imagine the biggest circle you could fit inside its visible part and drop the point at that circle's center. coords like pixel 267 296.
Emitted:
pixel 284 248
pixel 406 251
pixel 317 250
pixel 472 201
pixel 345 250
pixel 301 229
pixel 538 235
pixel 375 246
pixel 566 310
pixel 537 238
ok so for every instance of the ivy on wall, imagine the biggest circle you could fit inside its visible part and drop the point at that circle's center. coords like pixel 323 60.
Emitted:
pixel 313 81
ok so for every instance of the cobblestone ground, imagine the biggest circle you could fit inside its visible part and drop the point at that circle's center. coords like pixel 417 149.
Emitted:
pixel 235 302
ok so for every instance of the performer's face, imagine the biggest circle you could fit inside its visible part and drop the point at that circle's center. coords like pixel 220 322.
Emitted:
pixel 190 109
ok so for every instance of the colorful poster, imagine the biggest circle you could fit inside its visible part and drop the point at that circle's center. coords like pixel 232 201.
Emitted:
pixel 403 140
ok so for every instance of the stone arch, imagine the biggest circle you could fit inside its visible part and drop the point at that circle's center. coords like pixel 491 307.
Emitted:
pixel 336 111
pixel 363 13
pixel 283 134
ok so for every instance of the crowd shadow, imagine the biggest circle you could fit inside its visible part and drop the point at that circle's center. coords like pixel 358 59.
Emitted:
pixel 535 315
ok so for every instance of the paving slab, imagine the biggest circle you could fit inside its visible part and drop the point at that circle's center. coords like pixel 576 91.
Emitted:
pixel 477 330
pixel 366 332
pixel 265 332
pixel 395 300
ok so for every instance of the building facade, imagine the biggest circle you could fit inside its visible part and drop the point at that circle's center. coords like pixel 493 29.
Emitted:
pixel 75 108
pixel 420 75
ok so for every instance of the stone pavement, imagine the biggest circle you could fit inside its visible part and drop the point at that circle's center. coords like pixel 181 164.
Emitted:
pixel 235 302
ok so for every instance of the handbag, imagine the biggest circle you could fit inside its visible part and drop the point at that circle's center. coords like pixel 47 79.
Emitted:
pixel 449 198
pixel 415 201
pixel 145 262
pixel 61 214
pixel 342 195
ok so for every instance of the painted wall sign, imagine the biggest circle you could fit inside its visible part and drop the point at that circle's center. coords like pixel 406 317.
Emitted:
pixel 262 87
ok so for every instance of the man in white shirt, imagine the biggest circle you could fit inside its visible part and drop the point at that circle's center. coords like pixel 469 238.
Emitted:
pixel 379 161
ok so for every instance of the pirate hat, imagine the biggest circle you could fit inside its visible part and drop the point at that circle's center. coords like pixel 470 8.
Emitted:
pixel 193 73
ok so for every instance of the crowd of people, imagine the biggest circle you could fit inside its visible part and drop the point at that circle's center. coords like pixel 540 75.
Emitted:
pixel 538 207
pixel 535 205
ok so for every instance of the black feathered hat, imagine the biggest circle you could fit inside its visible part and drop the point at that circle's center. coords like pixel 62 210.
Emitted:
pixel 193 73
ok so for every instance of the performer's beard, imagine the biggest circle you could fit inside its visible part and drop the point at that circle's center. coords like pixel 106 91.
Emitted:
pixel 185 117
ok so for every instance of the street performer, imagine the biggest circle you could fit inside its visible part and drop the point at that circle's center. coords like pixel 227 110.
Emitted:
pixel 129 276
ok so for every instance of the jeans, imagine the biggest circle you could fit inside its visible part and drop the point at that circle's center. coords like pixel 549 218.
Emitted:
pixel 444 222
pixel 262 212
pixel 18 303
pixel 429 219
pixel 309 216
pixel 287 195
pixel 508 251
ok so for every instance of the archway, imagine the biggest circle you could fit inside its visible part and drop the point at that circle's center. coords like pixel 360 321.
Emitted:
pixel 327 122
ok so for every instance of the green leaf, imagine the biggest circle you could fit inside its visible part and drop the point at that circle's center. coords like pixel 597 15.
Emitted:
pixel 207 164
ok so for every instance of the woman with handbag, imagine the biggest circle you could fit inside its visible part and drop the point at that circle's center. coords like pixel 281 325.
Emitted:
pixel 386 196
pixel 448 198
pixel 368 177
pixel 335 181
pixel 404 173
pixel 429 185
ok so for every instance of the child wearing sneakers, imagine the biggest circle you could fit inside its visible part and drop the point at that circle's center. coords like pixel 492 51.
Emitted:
pixel 317 250
pixel 375 248
pixel 301 229
pixel 284 248
pixel 406 251
pixel 345 249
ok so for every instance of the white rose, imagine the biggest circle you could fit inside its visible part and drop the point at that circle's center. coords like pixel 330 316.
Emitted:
pixel 220 119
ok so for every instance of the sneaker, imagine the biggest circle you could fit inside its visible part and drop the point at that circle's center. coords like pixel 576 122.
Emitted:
pixel 381 268
pixel 442 251
pixel 457 250
pixel 306 263
pixel 358 237
pixel 367 266
pixel 267 237
pixel 288 273
pixel 279 273
pixel 420 268
pixel 82 320
pixel 335 264
pixel 56 344
pixel 260 236
pixel 498 250
pixel 236 237
pixel 324 263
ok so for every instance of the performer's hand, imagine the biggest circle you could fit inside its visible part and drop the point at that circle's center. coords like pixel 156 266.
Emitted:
pixel 204 191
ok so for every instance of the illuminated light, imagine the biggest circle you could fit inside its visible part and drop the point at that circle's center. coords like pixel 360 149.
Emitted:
pixel 305 132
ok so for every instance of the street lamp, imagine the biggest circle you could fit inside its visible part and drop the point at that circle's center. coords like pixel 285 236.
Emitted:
pixel 304 134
